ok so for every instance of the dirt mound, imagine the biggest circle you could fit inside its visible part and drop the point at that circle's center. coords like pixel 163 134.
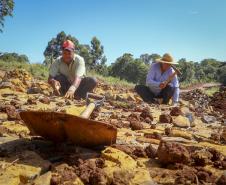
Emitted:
pixel 218 101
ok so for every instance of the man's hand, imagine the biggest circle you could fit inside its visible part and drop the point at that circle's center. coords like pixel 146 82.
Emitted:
pixel 70 93
pixel 162 85
pixel 56 86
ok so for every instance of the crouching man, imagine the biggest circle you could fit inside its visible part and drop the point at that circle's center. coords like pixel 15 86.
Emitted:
pixel 67 74
pixel 157 84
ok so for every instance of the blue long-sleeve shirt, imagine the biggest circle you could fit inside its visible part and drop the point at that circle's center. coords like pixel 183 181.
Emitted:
pixel 155 77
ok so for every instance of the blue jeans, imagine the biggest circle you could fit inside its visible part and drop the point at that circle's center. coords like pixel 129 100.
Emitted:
pixel 148 96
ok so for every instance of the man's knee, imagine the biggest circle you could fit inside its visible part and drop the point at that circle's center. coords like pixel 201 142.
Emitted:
pixel 61 78
pixel 170 90
pixel 141 88
pixel 91 81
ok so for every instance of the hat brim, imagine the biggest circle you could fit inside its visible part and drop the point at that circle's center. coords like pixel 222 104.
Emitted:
pixel 162 61
pixel 69 49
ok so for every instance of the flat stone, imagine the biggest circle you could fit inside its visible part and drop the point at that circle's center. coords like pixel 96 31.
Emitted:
pixel 16 128
pixel 181 121
pixel 121 168
pixel 208 119
pixel 3 116
pixel 120 158
pixel 44 179
pixel 73 110
pixel 180 133
pixel 147 140
pixel 27 167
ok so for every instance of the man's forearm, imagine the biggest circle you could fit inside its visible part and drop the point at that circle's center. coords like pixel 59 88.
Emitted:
pixel 76 82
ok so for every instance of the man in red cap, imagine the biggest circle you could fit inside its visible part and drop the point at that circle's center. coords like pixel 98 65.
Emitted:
pixel 67 74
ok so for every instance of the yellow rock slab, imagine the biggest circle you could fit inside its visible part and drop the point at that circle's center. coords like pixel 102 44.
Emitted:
pixel 180 133
pixel 120 158
pixel 220 148
pixel 74 110
pixel 15 127
pixel 150 131
pixel 141 177
pixel 44 179
pixel 3 116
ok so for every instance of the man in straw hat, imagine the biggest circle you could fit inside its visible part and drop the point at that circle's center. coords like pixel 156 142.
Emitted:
pixel 161 82
pixel 67 74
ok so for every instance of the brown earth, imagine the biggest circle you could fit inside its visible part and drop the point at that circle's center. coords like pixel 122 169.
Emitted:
pixel 150 147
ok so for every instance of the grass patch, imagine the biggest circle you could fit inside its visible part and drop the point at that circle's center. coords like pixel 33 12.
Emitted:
pixel 41 72
pixel 111 80
pixel 211 91
pixel 38 71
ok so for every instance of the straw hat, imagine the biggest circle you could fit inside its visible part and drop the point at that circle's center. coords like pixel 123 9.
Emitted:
pixel 167 58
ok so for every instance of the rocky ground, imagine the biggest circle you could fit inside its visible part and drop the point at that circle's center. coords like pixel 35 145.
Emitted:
pixel 156 144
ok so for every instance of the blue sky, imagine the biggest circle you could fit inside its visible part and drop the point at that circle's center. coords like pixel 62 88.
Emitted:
pixel 191 29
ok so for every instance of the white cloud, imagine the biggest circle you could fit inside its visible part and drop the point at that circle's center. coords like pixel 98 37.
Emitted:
pixel 193 12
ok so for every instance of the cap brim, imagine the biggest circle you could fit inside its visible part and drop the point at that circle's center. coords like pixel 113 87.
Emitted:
pixel 162 61
pixel 69 49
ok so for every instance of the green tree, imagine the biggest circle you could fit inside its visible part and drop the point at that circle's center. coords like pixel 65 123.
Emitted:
pixel 118 69
pixel 96 52
pixel 130 69
pixel 222 74
pixel 136 71
pixel 102 68
pixel 145 58
pixel 6 9
pixel 14 57
pixel 148 59
pixel 210 68
pixel 154 56
pixel 93 55
pixel 188 70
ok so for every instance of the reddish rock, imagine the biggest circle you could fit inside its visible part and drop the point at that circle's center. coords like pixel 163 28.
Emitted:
pixel 151 151
pixel 155 135
pixel 139 152
pixel 136 125
pixel 222 179
pixel 176 111
pixel 216 156
pixel 201 157
pixel 133 117
pixel 45 100
pixel 31 101
pixel 168 131
pixel 63 173
pixel 165 118
pixel 203 176
pixel 186 174
pixel 90 173
pixel 171 152
pixel 146 114
pixel 12 113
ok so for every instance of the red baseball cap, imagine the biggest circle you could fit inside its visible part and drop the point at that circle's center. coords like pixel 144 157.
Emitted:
pixel 68 45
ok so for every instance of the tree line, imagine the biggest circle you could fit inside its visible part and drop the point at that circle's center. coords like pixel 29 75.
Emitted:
pixel 135 69
pixel 126 67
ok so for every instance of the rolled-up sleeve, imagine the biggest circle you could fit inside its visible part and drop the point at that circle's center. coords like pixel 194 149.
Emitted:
pixel 150 78
pixel 54 69
pixel 80 69
pixel 176 95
